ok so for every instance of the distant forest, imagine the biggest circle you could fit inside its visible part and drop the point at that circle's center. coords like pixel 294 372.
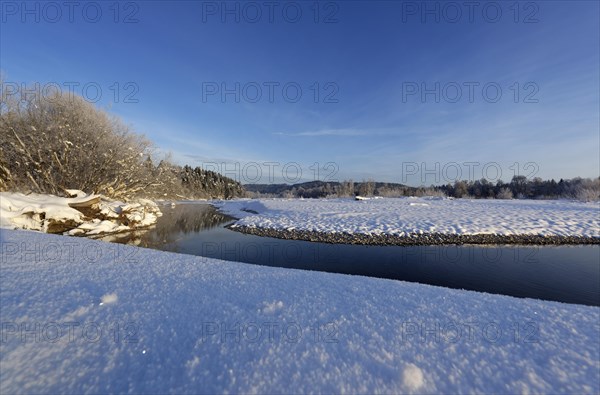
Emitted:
pixel 519 187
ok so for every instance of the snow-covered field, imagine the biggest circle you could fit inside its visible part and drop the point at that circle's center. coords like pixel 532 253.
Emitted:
pixel 83 316
pixel 401 216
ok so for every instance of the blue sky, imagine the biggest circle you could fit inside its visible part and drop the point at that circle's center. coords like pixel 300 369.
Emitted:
pixel 362 67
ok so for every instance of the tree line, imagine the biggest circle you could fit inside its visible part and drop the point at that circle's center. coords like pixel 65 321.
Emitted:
pixel 59 142
pixel 520 187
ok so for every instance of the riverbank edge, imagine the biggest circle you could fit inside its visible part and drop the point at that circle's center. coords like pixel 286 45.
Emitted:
pixel 414 239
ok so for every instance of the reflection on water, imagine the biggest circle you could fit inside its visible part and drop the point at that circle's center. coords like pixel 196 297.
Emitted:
pixel 568 274
pixel 177 221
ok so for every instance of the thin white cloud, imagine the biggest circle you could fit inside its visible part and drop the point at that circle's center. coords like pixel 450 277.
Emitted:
pixel 336 132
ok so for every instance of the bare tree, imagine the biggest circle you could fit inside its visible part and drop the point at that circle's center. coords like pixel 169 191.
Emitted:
pixel 367 188
pixel 346 188
pixel 460 189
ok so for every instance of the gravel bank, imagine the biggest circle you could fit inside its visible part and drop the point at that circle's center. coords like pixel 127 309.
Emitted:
pixel 414 239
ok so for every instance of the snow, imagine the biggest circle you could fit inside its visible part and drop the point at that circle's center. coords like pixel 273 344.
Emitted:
pixel 39 211
pixel 25 211
pixel 401 216
pixel 412 377
pixel 75 193
pixel 84 316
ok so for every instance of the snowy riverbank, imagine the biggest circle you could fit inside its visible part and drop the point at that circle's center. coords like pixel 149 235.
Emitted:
pixel 122 319
pixel 79 215
pixel 419 220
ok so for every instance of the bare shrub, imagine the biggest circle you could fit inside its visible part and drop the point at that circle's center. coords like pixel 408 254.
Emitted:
pixel 504 193
pixel 60 142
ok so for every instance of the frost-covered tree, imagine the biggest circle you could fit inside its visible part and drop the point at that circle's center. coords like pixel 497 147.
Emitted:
pixel 460 189
pixel 366 188
pixel 504 193
pixel 346 188
pixel 59 142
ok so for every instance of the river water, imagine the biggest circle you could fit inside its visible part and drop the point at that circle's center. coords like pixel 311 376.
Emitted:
pixel 568 274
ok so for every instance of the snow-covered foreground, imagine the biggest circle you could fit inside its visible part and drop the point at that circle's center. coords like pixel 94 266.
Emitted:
pixel 83 316
pixel 402 216
pixel 55 214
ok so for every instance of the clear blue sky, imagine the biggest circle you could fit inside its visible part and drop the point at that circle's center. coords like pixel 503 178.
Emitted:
pixel 370 63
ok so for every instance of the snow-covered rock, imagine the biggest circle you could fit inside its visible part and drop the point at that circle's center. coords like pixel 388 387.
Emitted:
pixel 80 215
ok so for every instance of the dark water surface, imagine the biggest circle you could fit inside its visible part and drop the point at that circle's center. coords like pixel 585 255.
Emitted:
pixel 569 274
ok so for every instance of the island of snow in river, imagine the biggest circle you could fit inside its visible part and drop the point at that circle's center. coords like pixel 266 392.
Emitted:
pixel 83 316
pixel 402 216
